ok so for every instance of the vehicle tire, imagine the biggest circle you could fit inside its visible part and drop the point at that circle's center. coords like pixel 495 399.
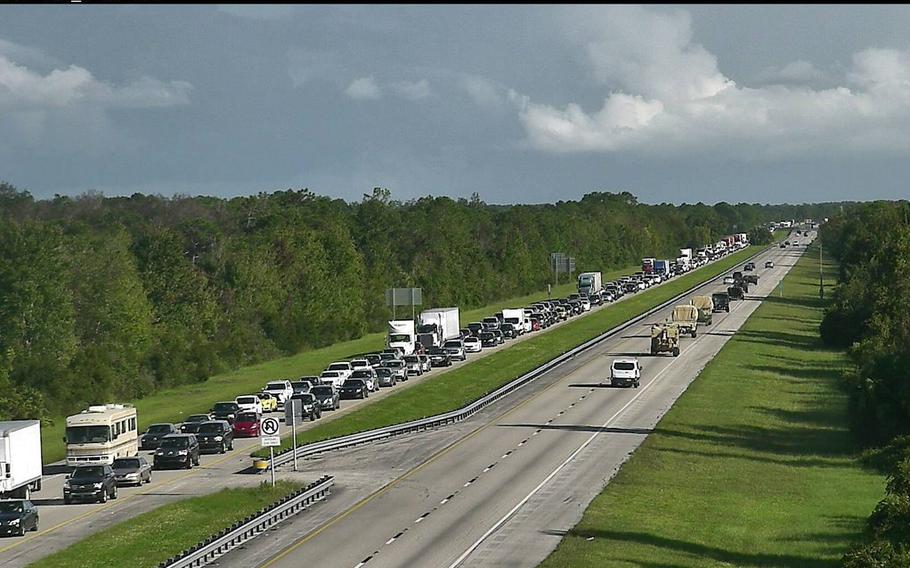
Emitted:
pixel 223 448
pixel 676 351
pixel 337 405
pixel 35 526
pixel 114 495
pixel 196 461
pixel 189 463
pixel 694 333
pixel 231 446
pixel 103 498
pixel 22 531
pixel 727 309
pixel 149 479
pixel 67 500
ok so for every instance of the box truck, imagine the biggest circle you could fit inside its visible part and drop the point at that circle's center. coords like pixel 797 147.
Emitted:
pixel 20 458
pixel 402 336
pixel 438 326
pixel 590 283
pixel 517 317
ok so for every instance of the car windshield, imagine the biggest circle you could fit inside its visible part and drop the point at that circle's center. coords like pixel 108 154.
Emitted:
pixel 399 338
pixel 247 417
pixel 247 400
pixel 330 374
pixel 453 344
pixel 88 471
pixel 300 385
pixel 359 363
pixel 339 367
pixel 322 390
pixel 471 340
pixel 306 398
pixel 624 366
pixel 160 429
pixel 198 418
pixel 362 374
pixel 411 359
pixel 225 407
pixel 275 386
pixel 394 363
pixel 176 442
pixel 384 372
pixel 126 463
pixel 486 335
pixel 210 428
pixel 87 434
pixel 10 506
pixel 353 383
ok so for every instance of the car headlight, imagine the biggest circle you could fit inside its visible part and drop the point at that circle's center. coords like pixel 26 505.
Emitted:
pixel 132 475
pixel 14 522
pixel 159 453
pixel 66 484
pixel 218 438
pixel 97 485
pixel 182 452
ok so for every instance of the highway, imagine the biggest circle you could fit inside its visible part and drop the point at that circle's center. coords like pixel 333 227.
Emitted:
pixel 62 525
pixel 501 488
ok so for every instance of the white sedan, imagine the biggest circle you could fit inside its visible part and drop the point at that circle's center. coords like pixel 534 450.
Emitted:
pixel 249 403
pixel 472 345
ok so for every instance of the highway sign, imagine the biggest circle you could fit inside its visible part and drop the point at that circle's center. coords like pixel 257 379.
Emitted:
pixel 269 426
pixel 268 441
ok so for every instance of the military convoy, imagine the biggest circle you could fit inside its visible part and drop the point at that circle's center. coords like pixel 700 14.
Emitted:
pixel 665 338
pixel 705 307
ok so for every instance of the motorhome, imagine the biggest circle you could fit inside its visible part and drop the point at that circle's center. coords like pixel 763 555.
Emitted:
pixel 101 434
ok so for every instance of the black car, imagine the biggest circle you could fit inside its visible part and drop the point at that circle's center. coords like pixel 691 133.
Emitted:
pixel 18 516
pixel 91 483
pixel 300 386
pixel 735 292
pixel 500 338
pixel 132 471
pixel 310 407
pixel 191 424
pixel 439 357
pixel 487 339
pixel 225 411
pixel 751 279
pixel 216 435
pixel 475 328
pixel 177 449
pixel 354 388
pixel 508 330
pixel 150 439
pixel 327 396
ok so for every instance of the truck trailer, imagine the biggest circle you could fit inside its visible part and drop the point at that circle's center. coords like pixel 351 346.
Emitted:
pixel 590 283
pixel 20 458
pixel 438 326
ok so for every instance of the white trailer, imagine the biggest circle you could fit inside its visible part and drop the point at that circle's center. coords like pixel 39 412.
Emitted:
pixel 401 336
pixel 517 317
pixel 590 283
pixel 20 458
pixel 442 324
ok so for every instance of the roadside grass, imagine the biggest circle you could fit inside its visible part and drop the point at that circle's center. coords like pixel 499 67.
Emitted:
pixel 151 538
pixel 753 466
pixel 174 404
pixel 460 386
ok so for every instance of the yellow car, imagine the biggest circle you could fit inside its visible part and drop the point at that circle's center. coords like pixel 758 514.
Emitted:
pixel 269 402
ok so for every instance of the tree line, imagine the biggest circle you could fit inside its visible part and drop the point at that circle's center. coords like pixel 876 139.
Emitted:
pixel 112 298
pixel 870 317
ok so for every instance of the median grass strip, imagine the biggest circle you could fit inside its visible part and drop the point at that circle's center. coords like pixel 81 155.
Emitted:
pixel 467 383
pixel 754 464
pixel 151 538
pixel 175 404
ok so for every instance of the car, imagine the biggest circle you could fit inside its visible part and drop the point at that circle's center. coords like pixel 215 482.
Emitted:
pixel 342 367
pixel 729 280
pixel 246 425
pixel 475 327
pixel 508 330
pixel 586 302
pixel 625 372
pixel 386 357
pixel 455 348
pixel 464 333
pixel 177 449
pixel 93 482
pixel 490 323
pixel 192 422
pixel 354 388
pixel 301 387
pixel 18 516
pixel 282 390
pixel 749 266
pixel 425 362
pixel 225 411
pixel 132 471
pixel 751 279
pixel 499 336
pixel 386 377
pixel 536 323
pixel 782 245
pixel 217 436
pixel 374 359
pixel 269 402
pixel 310 407
pixel 769 264
pixel 412 365
pixel 439 357
pixel 487 339
pixel 150 439
pixel 359 364
pixel 328 397
pixel 472 345
pixel 249 403
pixel 333 378
pixel 398 367
pixel 368 374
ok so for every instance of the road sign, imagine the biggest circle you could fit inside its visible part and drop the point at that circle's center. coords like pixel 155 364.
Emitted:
pixel 269 441
pixel 269 426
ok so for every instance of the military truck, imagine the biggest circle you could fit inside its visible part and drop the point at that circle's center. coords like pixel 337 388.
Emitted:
pixel 705 307
pixel 751 279
pixel 665 338
pixel 736 292
pixel 686 317
pixel 721 302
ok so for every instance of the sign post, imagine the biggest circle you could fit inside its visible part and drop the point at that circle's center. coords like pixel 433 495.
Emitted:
pixel 270 438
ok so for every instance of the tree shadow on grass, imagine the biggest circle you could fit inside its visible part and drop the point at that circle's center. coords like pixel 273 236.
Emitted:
pixel 714 553
pixel 830 463
pixel 782 339
pixel 793 440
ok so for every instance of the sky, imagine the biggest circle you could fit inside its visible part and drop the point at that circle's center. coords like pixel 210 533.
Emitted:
pixel 520 104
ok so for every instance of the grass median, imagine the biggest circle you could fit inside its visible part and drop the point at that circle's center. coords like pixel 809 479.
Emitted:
pixel 175 404
pixel 753 465
pixel 459 387
pixel 151 538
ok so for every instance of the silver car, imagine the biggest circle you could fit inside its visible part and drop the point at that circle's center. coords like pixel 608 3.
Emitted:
pixel 132 471
pixel 398 368
pixel 412 365
pixel 386 377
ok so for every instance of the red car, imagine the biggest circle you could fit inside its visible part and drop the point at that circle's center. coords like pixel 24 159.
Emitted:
pixel 246 425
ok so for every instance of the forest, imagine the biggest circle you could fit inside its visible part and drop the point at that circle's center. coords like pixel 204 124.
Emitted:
pixel 870 317
pixel 112 298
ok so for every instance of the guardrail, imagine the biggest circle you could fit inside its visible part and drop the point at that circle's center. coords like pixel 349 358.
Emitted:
pixel 244 530
pixel 460 414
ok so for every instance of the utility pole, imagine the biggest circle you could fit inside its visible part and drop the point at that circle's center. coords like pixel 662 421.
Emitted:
pixel 821 278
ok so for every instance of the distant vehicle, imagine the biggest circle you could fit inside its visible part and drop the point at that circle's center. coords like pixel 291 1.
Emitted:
pixel 246 425
pixel 412 365
pixel 269 402
pixel 402 335
pixel 721 302
pixel 736 292
pixel 132 471
pixel 225 411
pixel 359 364
pixel 439 357
pixel 751 279
pixel 509 331
pixel 177 449
pixel 386 357
pixel 310 406
pixel 20 459
pixel 728 280
pixel 101 434
pixel 473 345
pixel 437 326
pixel 342 367
pixel 217 436
pixel 769 264
pixel 475 327
pixel 249 403
pixel 517 318
pixel 398 367
pixel 625 373
pixel 490 323
pixel 455 349
pixel 705 307
pixel 327 395
pixel 590 282
pixel 301 387
pixel 333 378
pixel 686 317
pixel 374 359
pixel 18 516
pixel 386 377
pixel 368 375
pixel 281 390
pixel 500 338
pixel 749 266
pixel 150 439
pixel 354 388
pixel 425 362
pixel 90 483
pixel 665 339
pixel 192 422
pixel 487 339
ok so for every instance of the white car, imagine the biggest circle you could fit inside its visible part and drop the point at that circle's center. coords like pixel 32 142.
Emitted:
pixel 625 372
pixel 729 280
pixel 282 390
pixel 342 367
pixel 586 304
pixel 249 403
pixel 360 364
pixel 332 378
pixel 472 345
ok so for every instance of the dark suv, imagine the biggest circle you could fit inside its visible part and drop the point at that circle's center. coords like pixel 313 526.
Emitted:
pixel 90 483
pixel 225 411
pixel 150 439
pixel 177 449
pixel 216 435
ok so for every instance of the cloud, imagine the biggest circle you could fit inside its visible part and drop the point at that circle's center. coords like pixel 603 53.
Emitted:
pixel 268 12
pixel 305 66
pixel 413 90
pixel 364 88
pixel 794 72
pixel 484 92
pixel 666 94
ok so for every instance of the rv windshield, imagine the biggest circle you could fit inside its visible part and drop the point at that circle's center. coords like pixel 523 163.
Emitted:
pixel 399 338
pixel 87 434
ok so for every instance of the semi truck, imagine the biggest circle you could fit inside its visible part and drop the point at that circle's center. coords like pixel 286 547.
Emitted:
pixel 438 326
pixel 590 283
pixel 647 265
pixel 517 317
pixel 20 458
pixel 402 336
pixel 662 267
